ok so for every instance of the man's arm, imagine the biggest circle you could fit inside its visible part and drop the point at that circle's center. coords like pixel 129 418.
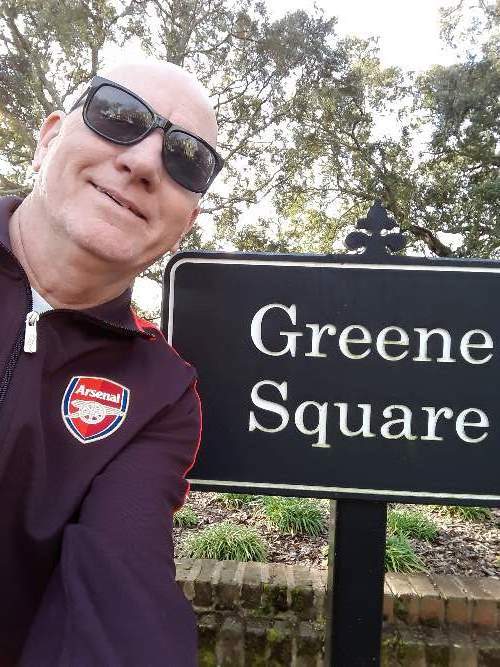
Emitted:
pixel 113 600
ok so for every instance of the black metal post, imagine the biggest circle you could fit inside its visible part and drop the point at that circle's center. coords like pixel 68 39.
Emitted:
pixel 356 584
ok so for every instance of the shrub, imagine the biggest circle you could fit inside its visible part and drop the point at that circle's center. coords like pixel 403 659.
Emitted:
pixel 400 556
pixel 234 500
pixel 186 517
pixel 225 541
pixel 411 523
pixel 294 515
pixel 465 512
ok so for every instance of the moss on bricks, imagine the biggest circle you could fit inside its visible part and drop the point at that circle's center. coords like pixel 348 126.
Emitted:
pixel 302 600
pixel 207 632
pixel 230 644
pixel 489 657
pixel 310 640
pixel 206 658
pixel 412 655
pixel 280 644
pixel 250 595
pixel 274 598
pixel 274 635
pixel 437 656
pixel 389 651
pixel 255 661
pixel 400 609
pixel 398 650
pixel 255 643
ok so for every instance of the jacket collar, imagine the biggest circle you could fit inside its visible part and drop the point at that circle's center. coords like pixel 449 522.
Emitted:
pixel 117 312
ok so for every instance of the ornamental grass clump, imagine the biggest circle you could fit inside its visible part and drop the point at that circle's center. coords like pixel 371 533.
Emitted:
pixel 294 515
pixel 186 517
pixel 401 557
pixel 235 500
pixel 465 512
pixel 411 523
pixel 226 541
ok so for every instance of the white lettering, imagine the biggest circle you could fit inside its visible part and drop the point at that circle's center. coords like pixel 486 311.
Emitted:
pixel 317 332
pixel 93 393
pixel 365 427
pixel 382 342
pixel 269 406
pixel 256 330
pixel 405 421
pixel 320 428
pixel 465 345
pixel 345 341
pixel 461 424
pixel 432 421
pixel 425 334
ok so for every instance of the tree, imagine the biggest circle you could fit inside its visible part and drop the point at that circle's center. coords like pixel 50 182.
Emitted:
pixel 446 184
pixel 47 50
pixel 259 74
pixel 462 101
pixel 252 67
pixel 299 111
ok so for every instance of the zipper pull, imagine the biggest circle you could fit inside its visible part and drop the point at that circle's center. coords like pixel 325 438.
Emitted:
pixel 30 331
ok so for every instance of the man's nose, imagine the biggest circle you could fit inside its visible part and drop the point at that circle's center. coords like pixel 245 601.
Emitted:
pixel 143 161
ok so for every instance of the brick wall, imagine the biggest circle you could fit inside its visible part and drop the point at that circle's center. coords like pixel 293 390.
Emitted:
pixel 256 614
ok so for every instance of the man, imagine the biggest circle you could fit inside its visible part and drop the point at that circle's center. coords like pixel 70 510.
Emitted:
pixel 99 418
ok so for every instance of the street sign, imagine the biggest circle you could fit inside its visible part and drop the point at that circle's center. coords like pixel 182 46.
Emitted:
pixel 341 376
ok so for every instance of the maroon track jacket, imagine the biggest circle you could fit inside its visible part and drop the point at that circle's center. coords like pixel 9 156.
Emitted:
pixel 98 428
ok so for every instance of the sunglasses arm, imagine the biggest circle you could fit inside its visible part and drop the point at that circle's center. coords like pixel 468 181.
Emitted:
pixel 79 101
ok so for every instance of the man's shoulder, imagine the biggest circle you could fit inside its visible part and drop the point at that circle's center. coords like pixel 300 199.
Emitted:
pixel 163 359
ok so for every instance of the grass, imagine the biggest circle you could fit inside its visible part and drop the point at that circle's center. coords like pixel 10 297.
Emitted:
pixel 401 557
pixel 464 512
pixel 294 515
pixel 186 517
pixel 226 541
pixel 411 523
pixel 235 500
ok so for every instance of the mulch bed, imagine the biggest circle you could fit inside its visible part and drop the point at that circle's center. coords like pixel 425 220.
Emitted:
pixel 461 547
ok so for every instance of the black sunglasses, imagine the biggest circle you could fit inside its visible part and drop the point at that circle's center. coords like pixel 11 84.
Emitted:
pixel 121 116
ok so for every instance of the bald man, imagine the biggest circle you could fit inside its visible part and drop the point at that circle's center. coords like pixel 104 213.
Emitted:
pixel 99 418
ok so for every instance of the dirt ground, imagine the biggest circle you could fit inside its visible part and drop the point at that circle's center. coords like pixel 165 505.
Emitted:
pixel 461 547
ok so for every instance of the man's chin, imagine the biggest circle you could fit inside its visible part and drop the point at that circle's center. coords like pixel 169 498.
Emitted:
pixel 103 240
pixel 110 251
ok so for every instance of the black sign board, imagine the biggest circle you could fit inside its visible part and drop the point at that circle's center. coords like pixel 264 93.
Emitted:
pixel 335 377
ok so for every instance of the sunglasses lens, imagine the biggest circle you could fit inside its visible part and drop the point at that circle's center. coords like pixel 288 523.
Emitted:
pixel 188 161
pixel 118 115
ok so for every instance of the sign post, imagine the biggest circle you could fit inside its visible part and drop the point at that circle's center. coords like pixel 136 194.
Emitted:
pixel 356 585
pixel 366 378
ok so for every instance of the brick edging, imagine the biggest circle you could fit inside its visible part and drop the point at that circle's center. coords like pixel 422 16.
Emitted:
pixel 255 614
pixel 283 591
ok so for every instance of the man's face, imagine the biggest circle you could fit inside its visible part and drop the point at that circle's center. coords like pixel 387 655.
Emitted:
pixel 79 170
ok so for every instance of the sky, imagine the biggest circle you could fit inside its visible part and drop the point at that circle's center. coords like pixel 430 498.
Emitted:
pixel 408 30
pixel 408 36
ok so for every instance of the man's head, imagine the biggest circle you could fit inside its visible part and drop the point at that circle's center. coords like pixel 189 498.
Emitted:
pixel 81 174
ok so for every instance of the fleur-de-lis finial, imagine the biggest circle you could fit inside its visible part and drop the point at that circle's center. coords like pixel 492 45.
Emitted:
pixel 375 243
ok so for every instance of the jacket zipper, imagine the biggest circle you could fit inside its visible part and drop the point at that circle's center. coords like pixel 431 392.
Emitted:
pixel 13 357
pixel 32 319
pixel 28 332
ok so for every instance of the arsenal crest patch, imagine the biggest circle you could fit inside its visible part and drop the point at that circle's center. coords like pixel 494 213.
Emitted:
pixel 93 408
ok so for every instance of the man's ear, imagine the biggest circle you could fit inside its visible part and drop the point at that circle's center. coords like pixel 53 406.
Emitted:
pixel 187 229
pixel 49 130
